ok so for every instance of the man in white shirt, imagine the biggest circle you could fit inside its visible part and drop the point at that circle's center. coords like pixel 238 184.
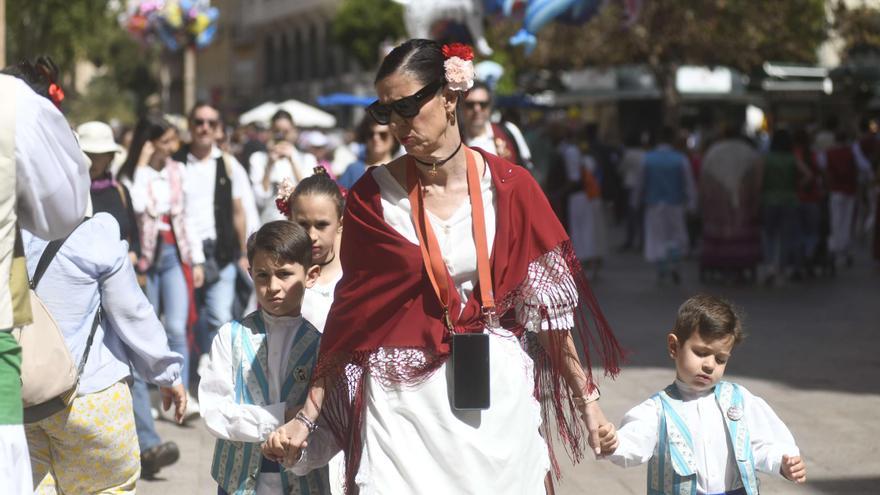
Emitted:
pixel 282 161
pixel 503 139
pixel 215 212
pixel 44 187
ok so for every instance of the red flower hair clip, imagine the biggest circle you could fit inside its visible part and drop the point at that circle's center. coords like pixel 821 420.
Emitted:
pixel 56 94
pixel 459 50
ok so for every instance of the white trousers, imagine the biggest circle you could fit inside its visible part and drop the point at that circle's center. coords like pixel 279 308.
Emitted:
pixel 841 210
pixel 15 462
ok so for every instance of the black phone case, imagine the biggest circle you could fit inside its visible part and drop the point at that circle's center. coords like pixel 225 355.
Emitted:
pixel 470 371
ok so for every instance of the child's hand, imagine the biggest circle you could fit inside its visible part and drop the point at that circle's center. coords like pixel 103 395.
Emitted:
pixel 273 447
pixel 793 469
pixel 608 438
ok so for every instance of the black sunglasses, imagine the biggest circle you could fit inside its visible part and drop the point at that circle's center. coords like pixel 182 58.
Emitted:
pixel 407 107
pixel 212 123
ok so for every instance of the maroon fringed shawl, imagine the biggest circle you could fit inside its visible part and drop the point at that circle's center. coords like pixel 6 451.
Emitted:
pixel 385 300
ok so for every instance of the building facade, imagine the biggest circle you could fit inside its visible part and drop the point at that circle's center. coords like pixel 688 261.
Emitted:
pixel 276 50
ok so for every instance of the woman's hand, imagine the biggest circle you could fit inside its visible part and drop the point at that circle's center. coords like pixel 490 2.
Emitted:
pixel 146 154
pixel 177 396
pixel 594 419
pixel 286 444
pixel 198 276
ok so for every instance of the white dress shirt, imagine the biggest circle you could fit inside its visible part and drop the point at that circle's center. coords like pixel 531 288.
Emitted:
pixel 94 258
pixel 716 467
pixel 229 420
pixel 246 422
pixel 201 176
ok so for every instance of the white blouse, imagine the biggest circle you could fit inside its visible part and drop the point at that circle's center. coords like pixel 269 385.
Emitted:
pixel 414 442
pixel 317 301
pixel 716 466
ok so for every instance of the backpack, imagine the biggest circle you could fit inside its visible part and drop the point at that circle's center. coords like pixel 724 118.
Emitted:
pixel 49 376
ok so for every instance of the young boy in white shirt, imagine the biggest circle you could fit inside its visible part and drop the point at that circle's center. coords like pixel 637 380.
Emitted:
pixel 701 435
pixel 261 367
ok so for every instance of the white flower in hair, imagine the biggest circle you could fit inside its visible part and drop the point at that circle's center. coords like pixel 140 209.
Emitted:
pixel 459 66
pixel 282 198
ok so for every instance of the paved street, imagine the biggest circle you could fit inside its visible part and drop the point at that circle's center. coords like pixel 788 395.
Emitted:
pixel 812 353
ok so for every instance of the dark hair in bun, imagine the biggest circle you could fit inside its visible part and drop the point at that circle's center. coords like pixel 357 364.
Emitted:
pixel 419 57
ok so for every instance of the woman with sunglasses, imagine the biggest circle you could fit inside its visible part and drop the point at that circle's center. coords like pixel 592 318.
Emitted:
pixel 379 147
pixel 460 291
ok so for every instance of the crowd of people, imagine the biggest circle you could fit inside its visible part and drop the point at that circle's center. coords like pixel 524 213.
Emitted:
pixel 270 281
pixel 790 204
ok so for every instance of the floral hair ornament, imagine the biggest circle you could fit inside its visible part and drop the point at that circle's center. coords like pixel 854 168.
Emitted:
pixel 282 199
pixel 459 66
pixel 56 94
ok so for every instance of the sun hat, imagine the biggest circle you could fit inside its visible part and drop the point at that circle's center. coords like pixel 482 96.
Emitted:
pixel 97 137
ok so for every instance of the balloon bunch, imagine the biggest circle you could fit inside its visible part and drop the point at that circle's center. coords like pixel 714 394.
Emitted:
pixel 537 13
pixel 173 23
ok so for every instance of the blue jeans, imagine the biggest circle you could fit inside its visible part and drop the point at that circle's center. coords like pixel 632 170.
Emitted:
pixel 216 310
pixel 167 292
pixel 779 225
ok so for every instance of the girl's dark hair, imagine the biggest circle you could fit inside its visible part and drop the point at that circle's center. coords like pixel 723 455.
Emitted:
pixel 318 184
pixel 285 241
pixel 421 58
pixel 148 128
pixel 39 74
pixel 781 141
pixel 362 132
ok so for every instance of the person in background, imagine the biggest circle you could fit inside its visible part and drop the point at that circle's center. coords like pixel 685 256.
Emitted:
pixel 166 261
pixel 630 165
pixel 317 143
pixel 503 139
pixel 44 188
pixel 108 194
pixel 282 160
pixel 379 147
pixel 213 207
pixel 845 166
pixel 811 200
pixel 665 186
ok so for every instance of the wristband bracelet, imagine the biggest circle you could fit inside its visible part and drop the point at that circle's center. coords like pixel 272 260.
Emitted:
pixel 306 421
pixel 582 401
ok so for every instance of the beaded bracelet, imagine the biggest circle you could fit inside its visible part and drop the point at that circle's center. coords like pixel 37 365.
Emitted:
pixel 306 421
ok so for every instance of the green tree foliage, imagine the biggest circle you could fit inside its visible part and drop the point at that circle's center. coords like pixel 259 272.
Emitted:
pixel 741 34
pixel 75 30
pixel 858 28
pixel 361 26
pixel 66 30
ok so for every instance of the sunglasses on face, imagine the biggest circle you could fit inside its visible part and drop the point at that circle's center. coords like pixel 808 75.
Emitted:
pixel 471 105
pixel 383 135
pixel 212 123
pixel 407 107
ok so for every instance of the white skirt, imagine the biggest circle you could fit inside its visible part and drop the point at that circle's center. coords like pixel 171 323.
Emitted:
pixel 414 442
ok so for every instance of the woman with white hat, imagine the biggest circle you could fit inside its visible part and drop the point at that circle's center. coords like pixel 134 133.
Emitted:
pixel 108 195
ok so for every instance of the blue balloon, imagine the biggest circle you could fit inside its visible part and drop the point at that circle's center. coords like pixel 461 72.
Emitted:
pixel 207 36
pixel 540 12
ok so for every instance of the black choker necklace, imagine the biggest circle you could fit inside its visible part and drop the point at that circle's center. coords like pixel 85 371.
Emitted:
pixel 328 261
pixel 439 163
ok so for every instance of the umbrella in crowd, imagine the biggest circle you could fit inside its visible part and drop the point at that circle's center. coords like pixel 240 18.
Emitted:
pixel 304 115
